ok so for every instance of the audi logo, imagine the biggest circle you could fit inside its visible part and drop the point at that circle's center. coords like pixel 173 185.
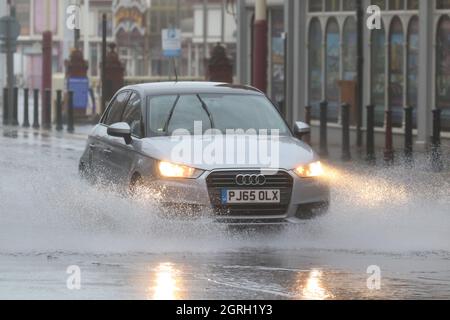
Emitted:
pixel 250 180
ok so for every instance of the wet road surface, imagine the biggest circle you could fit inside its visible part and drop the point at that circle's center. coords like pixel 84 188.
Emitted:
pixel 395 219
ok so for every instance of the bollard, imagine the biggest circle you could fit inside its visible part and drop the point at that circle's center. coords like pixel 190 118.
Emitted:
pixel 345 115
pixel 408 135
pixel 15 120
pixel 47 122
pixel 5 107
pixel 26 116
pixel 323 129
pixel 70 126
pixel 436 158
pixel 36 109
pixel 308 110
pixel 388 150
pixel 370 137
pixel 59 124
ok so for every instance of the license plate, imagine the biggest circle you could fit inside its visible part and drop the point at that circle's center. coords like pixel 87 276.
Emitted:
pixel 250 196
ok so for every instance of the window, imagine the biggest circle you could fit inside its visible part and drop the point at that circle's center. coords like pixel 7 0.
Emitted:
pixel 116 108
pixel 396 74
pixel 349 49
pixel 378 74
pixel 160 108
pixel 413 5
pixel 277 57
pixel 349 5
pixel 380 3
pixel 413 68
pixel 109 24
pixel 244 112
pixel 187 112
pixel 133 116
pixel 442 4
pixel 443 71
pixel 23 9
pixel 227 111
pixel 332 5
pixel 315 6
pixel 396 4
pixel 332 69
pixel 315 66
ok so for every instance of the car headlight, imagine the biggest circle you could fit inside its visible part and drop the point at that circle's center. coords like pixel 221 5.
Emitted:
pixel 171 170
pixel 311 170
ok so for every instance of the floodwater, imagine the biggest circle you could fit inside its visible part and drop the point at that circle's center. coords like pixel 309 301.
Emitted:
pixel 395 220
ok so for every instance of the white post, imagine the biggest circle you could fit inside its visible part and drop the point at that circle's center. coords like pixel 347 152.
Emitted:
pixel 2 58
pixel 48 15
pixel 425 81
pixel 87 30
pixel 222 31
pixel 205 29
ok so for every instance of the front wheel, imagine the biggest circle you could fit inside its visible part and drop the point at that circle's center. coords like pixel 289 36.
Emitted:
pixel 86 172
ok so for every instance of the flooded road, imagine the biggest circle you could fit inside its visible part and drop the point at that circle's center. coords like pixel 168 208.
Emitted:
pixel 395 219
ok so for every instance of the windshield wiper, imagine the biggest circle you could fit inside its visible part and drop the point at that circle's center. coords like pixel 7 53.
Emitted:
pixel 205 107
pixel 166 125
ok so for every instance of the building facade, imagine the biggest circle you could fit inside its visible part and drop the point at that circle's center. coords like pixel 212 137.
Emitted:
pixel 406 61
pixel 37 16
pixel 189 16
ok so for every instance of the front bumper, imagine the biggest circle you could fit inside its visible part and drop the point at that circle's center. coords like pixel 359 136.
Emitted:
pixel 305 195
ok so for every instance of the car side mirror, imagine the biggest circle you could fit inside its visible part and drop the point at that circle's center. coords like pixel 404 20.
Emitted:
pixel 301 129
pixel 121 130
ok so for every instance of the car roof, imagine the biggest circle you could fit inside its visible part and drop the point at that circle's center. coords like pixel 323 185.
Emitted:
pixel 188 87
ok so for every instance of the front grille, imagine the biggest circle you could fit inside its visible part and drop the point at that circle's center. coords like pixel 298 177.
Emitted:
pixel 217 181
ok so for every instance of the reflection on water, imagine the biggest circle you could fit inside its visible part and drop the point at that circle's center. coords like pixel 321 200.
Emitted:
pixel 167 286
pixel 314 288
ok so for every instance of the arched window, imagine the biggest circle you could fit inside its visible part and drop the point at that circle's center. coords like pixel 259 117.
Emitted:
pixel 413 67
pixel 396 71
pixel 378 74
pixel 443 70
pixel 315 66
pixel 332 69
pixel 349 49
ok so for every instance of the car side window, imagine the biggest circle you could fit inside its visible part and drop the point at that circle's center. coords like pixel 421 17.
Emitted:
pixel 160 108
pixel 117 108
pixel 133 115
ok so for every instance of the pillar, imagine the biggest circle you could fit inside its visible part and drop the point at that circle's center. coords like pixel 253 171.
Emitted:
pixel 260 44
pixel 425 81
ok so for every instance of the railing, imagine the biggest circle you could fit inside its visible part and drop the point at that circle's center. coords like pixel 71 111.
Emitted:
pixel 389 152
pixel 12 119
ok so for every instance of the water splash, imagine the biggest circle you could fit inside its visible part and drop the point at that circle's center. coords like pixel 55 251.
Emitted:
pixel 48 208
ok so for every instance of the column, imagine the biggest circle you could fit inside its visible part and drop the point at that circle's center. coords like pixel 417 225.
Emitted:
pixel 242 43
pixel 425 81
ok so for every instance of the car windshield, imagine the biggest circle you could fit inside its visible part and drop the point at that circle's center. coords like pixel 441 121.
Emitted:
pixel 170 115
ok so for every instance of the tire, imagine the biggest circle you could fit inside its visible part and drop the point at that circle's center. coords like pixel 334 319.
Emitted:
pixel 135 184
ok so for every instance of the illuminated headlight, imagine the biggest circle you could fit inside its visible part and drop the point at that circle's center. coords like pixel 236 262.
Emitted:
pixel 311 170
pixel 171 170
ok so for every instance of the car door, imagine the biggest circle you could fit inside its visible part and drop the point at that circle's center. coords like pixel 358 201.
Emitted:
pixel 123 156
pixel 103 147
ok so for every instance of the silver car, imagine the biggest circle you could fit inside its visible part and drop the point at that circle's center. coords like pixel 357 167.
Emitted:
pixel 217 147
